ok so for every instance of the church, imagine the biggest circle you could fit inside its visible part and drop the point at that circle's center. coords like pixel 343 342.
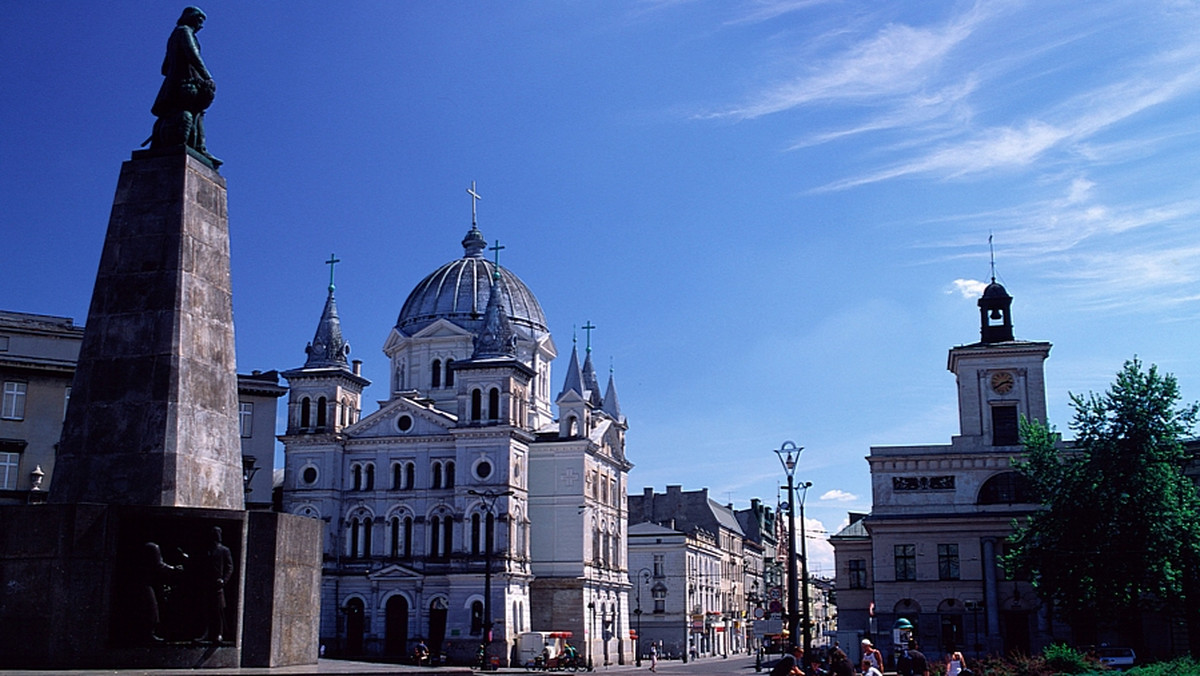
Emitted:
pixel 464 511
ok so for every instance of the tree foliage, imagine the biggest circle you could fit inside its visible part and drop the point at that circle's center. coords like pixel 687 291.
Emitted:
pixel 1119 530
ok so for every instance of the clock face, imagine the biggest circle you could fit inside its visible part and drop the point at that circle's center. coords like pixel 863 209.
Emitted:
pixel 1002 382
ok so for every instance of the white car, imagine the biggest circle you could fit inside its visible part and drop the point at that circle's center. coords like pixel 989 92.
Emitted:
pixel 1117 658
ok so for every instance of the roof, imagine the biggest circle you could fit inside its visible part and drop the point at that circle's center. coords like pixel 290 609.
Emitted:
pixel 459 291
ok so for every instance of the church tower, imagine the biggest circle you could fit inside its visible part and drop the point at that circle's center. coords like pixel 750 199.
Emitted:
pixel 325 395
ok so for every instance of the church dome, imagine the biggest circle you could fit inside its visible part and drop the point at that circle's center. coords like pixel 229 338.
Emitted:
pixel 459 290
pixel 995 290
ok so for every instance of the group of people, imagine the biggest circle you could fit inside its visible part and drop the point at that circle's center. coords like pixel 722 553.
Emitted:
pixel 909 662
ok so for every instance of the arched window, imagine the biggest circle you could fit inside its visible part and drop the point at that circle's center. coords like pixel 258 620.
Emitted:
pixel 353 549
pixel 493 404
pixel 449 474
pixel 435 537
pixel 489 537
pixel 436 372
pixel 397 476
pixel 1006 488
pixel 449 373
pixel 356 473
pixel 322 405
pixel 366 536
pixel 437 476
pixel 408 531
pixel 476 405
pixel 410 476
pixel 447 535
pixel 476 618
pixel 476 540
pixel 344 412
pixel 394 528
pixel 370 484
pixel 305 412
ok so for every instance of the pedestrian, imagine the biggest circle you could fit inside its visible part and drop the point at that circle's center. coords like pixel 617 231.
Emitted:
pixel 839 663
pixel 653 658
pixel 871 657
pixel 955 664
pixel 912 662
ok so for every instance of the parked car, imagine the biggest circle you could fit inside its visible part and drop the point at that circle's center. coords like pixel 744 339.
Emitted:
pixel 1117 658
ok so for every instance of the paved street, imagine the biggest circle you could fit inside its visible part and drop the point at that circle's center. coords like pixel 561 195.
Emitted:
pixel 739 664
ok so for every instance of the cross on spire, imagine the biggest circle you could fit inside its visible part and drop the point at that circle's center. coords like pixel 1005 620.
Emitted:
pixel 588 327
pixel 474 200
pixel 497 248
pixel 333 260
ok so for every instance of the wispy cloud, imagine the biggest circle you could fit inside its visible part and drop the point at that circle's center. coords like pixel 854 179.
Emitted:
pixel 898 60
pixel 838 495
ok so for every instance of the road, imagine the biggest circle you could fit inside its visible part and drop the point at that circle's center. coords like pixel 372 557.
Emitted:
pixel 735 664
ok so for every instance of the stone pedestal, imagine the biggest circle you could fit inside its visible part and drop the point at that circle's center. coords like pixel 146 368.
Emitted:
pixel 153 413
pixel 283 590
pixel 80 590
pixel 121 569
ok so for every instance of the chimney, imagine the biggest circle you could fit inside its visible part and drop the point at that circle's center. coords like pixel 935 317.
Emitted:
pixel 357 367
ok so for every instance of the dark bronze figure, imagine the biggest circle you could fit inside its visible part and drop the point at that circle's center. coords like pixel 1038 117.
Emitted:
pixel 187 90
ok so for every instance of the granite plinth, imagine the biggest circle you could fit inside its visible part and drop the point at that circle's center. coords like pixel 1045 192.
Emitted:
pixel 283 590
pixel 152 418
pixel 79 592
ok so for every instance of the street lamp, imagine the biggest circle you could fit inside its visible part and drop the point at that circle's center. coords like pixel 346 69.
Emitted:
pixel 804 574
pixel 642 575
pixel 789 454
pixel 489 498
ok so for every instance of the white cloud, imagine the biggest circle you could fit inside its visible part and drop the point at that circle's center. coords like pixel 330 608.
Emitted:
pixel 897 60
pixel 969 288
pixel 839 495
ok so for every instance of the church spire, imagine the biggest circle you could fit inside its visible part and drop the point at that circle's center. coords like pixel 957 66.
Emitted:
pixel 574 379
pixel 328 348
pixel 611 405
pixel 497 338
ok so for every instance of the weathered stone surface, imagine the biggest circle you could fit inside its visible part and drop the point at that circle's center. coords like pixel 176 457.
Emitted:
pixel 153 412
pixel 283 583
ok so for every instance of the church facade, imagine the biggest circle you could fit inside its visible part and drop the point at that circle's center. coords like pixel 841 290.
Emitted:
pixel 927 553
pixel 463 512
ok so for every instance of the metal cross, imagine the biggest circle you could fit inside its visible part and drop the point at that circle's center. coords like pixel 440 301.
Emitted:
pixel 474 199
pixel 496 248
pixel 588 327
pixel 332 262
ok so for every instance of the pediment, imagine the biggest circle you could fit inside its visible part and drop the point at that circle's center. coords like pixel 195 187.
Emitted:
pixel 442 328
pixel 425 420
pixel 393 573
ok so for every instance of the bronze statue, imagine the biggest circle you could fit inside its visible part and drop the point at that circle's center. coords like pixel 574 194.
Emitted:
pixel 187 90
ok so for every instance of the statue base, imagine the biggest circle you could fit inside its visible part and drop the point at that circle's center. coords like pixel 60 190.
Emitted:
pixel 83 594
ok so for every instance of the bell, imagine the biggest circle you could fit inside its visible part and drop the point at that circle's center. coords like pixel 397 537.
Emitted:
pixel 996 314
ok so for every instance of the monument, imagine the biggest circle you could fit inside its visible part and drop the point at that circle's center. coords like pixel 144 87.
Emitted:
pixel 144 556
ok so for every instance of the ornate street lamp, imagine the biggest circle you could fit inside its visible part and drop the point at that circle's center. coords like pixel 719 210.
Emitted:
pixel 642 576
pixel 789 455
pixel 807 623
pixel 489 498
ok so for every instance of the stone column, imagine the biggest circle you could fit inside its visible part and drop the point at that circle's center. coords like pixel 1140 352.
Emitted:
pixel 990 595
pixel 152 419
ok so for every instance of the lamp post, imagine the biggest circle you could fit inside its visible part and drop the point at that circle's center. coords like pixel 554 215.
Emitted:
pixel 789 454
pixel 489 498
pixel 807 623
pixel 642 575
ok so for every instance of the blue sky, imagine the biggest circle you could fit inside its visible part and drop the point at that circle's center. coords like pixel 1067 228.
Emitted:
pixel 776 212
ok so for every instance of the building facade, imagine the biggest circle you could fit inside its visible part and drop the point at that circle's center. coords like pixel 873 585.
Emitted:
pixel 462 508
pixel 37 363
pixel 712 582
pixel 928 551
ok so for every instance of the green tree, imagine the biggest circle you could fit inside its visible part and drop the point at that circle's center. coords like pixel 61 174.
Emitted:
pixel 1119 532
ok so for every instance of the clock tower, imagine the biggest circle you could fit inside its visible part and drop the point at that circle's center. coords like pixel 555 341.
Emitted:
pixel 1000 379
